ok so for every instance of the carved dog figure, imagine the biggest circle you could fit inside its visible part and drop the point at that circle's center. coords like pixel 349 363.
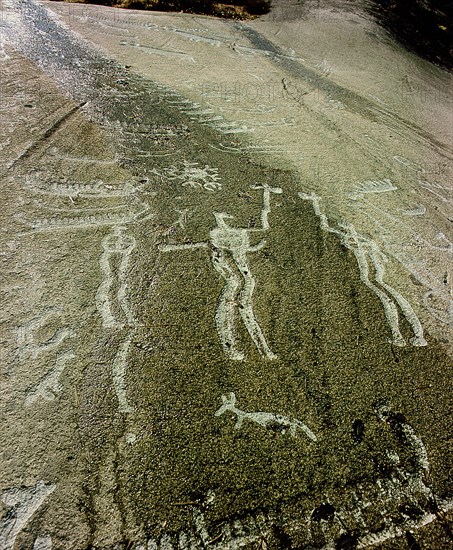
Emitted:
pixel 267 420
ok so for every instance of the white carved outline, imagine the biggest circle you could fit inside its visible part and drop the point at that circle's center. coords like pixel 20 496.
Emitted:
pixel 368 255
pixel 230 246
pixel 265 419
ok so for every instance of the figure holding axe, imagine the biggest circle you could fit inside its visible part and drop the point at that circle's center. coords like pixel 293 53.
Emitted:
pixel 230 246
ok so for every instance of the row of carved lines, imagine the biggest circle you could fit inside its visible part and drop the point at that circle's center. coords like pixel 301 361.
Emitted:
pixel 91 220
pixel 232 542
pixel 95 190
pixel 135 22
pixel 205 115
pixel 368 187
pixel 238 532
pixel 190 108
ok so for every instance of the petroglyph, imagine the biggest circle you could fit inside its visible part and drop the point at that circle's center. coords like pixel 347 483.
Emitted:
pixel 207 120
pixel 417 479
pixel 236 242
pixel 117 247
pixel 253 530
pixel 98 189
pixel 438 298
pixel 258 149
pixel 418 211
pixel 198 38
pixel 199 111
pixel 443 243
pixel 50 386
pixel 276 123
pixel 180 101
pixel 202 115
pixel 206 116
pixel 119 375
pixel 371 263
pixel 401 428
pixel 181 220
pixel 324 66
pixel 271 421
pixel 372 186
pixel 190 174
pixel 230 246
pixel 442 192
pixel 147 153
pixel 394 531
pixel 334 104
pixel 24 502
pixel 172 54
pixel 217 122
pixel 54 153
pixel 232 128
pixel 408 163
pixel 157 133
pixel 106 217
pixel 28 342
pixel 43 543
pixel 419 241
pixel 387 498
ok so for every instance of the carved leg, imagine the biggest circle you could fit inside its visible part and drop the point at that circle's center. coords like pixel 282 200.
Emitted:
pixel 246 311
pixel 227 304
pixel 103 303
pixel 390 309
pixel 406 308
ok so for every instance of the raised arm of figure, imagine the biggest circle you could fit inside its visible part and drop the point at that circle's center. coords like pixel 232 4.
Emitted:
pixel 267 190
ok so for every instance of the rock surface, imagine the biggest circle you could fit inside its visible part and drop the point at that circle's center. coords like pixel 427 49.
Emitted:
pixel 226 255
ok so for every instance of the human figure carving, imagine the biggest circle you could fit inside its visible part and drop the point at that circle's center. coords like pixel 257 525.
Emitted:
pixel 371 262
pixel 115 244
pixel 230 246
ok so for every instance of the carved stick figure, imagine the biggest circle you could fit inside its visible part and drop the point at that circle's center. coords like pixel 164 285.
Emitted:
pixel 230 246
pixel 117 243
pixel 370 261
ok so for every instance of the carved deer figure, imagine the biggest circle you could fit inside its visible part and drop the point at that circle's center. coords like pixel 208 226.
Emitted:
pixel 271 421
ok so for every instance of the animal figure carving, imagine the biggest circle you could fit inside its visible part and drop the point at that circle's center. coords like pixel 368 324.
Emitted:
pixel 271 421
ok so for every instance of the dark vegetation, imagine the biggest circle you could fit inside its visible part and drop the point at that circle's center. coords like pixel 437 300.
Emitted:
pixel 425 26
pixel 239 9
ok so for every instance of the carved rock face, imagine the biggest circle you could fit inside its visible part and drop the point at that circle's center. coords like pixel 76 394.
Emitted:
pixel 131 302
